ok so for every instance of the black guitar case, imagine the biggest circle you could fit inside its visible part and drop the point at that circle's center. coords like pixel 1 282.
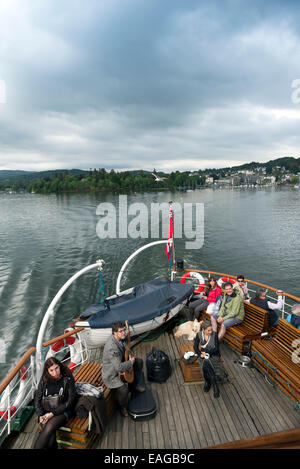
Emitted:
pixel 142 405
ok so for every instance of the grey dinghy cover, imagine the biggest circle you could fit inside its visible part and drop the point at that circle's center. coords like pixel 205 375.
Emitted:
pixel 145 302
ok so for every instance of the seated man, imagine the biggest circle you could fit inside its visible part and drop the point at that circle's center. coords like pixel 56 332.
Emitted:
pixel 261 301
pixel 114 366
pixel 232 310
pixel 294 317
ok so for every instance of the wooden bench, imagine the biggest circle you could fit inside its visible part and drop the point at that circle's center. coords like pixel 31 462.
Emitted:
pixel 254 324
pixel 75 434
pixel 278 358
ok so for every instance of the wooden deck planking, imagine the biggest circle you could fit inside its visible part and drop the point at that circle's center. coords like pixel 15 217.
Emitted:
pixel 238 413
pixel 273 416
pixel 191 437
pixel 189 418
pixel 242 412
pixel 168 389
pixel 188 396
pixel 184 417
pixel 246 401
pixel 156 424
pixel 248 384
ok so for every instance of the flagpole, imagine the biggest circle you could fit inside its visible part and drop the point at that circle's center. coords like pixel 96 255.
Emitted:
pixel 173 247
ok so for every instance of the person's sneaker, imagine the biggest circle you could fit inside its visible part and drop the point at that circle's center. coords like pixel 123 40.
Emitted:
pixel 140 389
pixel 124 412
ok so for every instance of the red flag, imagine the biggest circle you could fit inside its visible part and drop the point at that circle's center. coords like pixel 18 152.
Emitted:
pixel 170 235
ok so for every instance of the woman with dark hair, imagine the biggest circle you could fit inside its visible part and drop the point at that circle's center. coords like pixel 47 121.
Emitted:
pixel 54 401
pixel 211 295
pixel 206 346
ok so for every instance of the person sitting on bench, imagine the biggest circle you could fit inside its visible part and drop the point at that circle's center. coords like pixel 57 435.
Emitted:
pixel 210 300
pixel 261 301
pixel 114 366
pixel 232 310
pixel 206 346
pixel 54 401
pixel 294 317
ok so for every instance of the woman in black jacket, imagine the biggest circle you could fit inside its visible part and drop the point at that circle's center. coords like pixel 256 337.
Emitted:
pixel 206 346
pixel 54 401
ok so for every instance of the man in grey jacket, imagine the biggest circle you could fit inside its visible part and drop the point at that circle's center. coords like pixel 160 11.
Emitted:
pixel 114 366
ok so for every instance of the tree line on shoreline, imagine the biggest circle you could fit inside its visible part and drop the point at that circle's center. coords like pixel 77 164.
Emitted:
pixel 104 181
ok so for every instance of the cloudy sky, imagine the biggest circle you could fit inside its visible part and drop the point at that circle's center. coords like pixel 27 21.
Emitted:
pixel 170 84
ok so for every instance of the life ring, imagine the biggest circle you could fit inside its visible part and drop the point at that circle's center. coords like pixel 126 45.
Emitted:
pixel 74 346
pixel 198 277
pixel 23 375
pixel 225 279
pixel 76 354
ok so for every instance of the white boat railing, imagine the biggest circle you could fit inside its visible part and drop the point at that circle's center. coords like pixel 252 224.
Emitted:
pixel 72 354
pixel 18 388
pixel 50 312
pixel 16 391
pixel 287 299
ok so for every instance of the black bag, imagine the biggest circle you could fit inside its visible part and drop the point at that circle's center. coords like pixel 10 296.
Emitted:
pixel 142 405
pixel 158 366
pixel 51 403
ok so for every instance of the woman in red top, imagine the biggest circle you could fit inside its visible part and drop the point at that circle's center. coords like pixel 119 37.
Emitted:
pixel 210 296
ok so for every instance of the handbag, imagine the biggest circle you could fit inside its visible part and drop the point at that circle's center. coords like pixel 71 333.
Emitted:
pixel 50 403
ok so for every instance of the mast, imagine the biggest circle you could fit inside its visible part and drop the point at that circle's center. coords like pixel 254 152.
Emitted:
pixel 173 246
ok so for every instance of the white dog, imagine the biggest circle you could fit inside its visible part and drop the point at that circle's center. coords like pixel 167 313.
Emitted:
pixel 189 328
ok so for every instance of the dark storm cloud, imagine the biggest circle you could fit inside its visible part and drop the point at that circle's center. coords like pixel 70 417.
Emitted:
pixel 135 83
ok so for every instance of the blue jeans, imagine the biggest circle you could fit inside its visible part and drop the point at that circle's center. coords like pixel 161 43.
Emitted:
pixel 228 322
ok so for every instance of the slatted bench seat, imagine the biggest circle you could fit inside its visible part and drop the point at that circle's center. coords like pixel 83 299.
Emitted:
pixel 279 360
pixel 75 434
pixel 254 324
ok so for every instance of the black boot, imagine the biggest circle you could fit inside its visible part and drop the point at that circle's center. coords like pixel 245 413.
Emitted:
pixel 216 390
pixel 207 386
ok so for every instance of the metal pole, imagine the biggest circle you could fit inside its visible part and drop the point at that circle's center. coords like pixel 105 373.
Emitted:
pixel 50 312
pixel 131 257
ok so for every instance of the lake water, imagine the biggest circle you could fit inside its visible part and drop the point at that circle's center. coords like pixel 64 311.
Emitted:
pixel 44 240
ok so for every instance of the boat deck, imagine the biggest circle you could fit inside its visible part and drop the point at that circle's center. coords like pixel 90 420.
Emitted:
pixel 188 418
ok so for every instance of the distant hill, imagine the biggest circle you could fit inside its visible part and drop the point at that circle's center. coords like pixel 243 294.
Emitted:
pixel 9 174
pixel 20 180
pixel 20 177
pixel 32 175
pixel 288 162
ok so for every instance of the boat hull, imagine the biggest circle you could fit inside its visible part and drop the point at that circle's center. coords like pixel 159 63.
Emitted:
pixel 96 338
